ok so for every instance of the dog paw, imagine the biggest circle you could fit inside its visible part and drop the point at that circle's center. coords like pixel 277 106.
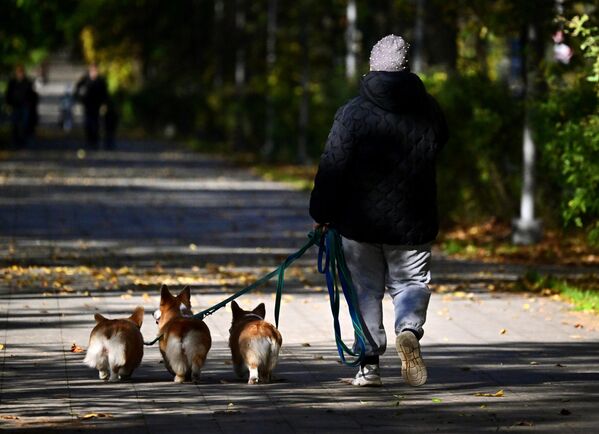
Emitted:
pixel 179 378
pixel 103 375
pixel 253 380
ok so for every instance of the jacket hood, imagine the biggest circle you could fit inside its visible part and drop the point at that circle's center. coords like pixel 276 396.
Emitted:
pixel 400 91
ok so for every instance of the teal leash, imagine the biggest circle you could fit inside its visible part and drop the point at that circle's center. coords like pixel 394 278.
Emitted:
pixel 331 263
pixel 313 239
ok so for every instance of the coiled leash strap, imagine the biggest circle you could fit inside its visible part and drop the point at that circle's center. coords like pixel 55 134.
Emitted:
pixel 331 263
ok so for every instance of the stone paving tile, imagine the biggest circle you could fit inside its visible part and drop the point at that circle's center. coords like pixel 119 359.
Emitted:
pixel 190 213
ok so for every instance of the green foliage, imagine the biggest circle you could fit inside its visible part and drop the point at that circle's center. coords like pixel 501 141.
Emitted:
pixel 29 29
pixel 476 175
pixel 567 126
pixel 579 27
pixel 583 293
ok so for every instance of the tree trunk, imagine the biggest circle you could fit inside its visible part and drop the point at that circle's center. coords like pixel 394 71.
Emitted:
pixel 271 58
pixel 350 40
pixel 219 15
pixel 304 109
pixel 238 141
pixel 418 46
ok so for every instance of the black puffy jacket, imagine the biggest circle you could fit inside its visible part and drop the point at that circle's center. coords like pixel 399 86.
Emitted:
pixel 376 179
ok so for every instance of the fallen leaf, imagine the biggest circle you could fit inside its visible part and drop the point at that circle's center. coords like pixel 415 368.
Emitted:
pixel 497 394
pixel 524 423
pixel 147 296
pixel 96 415
pixel 306 344
pixel 76 348
pixel 125 296
pixel 1 347
pixel 534 363
pixel 9 417
pixel 526 306
pixel 436 400
pixel 502 331
pixel 579 326
pixel 192 246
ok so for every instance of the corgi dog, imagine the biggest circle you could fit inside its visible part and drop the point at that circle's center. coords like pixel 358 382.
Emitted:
pixel 116 346
pixel 185 340
pixel 254 344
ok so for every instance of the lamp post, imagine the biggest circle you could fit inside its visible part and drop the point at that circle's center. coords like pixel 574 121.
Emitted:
pixel 527 229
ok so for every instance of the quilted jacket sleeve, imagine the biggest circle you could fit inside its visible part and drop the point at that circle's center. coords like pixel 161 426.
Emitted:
pixel 329 180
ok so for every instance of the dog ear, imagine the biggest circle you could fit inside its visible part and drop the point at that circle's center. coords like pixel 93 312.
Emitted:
pixel 185 296
pixel 237 311
pixel 99 318
pixel 260 310
pixel 165 294
pixel 138 316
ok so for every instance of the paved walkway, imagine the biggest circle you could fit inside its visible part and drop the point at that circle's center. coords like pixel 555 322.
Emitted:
pixel 99 232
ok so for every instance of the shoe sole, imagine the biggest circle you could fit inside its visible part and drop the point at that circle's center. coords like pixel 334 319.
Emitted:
pixel 413 369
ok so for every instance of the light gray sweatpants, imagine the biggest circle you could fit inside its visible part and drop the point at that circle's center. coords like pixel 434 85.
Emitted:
pixel 404 271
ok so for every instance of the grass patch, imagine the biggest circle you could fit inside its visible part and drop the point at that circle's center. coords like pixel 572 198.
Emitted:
pixel 301 177
pixel 582 292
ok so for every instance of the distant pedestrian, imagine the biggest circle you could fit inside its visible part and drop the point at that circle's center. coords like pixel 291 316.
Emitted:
pixel 376 185
pixel 22 99
pixel 92 91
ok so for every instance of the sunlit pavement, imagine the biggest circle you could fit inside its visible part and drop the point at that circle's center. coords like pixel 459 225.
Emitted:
pixel 86 232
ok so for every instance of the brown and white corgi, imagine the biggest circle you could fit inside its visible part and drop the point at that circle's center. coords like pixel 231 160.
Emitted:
pixel 254 343
pixel 116 346
pixel 185 340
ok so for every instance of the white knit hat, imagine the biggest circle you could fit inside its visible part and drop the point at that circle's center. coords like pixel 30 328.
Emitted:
pixel 389 54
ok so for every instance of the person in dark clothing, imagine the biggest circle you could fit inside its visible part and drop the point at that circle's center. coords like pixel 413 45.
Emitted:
pixel 376 185
pixel 22 99
pixel 111 122
pixel 91 90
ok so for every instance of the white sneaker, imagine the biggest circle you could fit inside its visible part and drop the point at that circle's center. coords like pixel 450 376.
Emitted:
pixel 369 375
pixel 413 368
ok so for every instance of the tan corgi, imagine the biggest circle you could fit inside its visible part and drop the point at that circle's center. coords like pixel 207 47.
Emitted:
pixel 254 343
pixel 116 346
pixel 185 340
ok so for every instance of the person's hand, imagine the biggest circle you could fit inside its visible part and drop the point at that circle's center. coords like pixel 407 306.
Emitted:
pixel 322 226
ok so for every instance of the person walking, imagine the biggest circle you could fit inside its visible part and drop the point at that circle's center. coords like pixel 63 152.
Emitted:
pixel 91 90
pixel 376 185
pixel 22 99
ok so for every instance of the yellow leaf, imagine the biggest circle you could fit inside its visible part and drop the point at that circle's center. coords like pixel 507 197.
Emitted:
pixel 498 394
pixel 125 296
pixel 76 348
pixel 1 347
pixel 502 331
pixel 96 415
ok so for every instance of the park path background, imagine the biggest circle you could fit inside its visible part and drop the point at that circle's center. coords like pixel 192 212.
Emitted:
pixel 86 232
